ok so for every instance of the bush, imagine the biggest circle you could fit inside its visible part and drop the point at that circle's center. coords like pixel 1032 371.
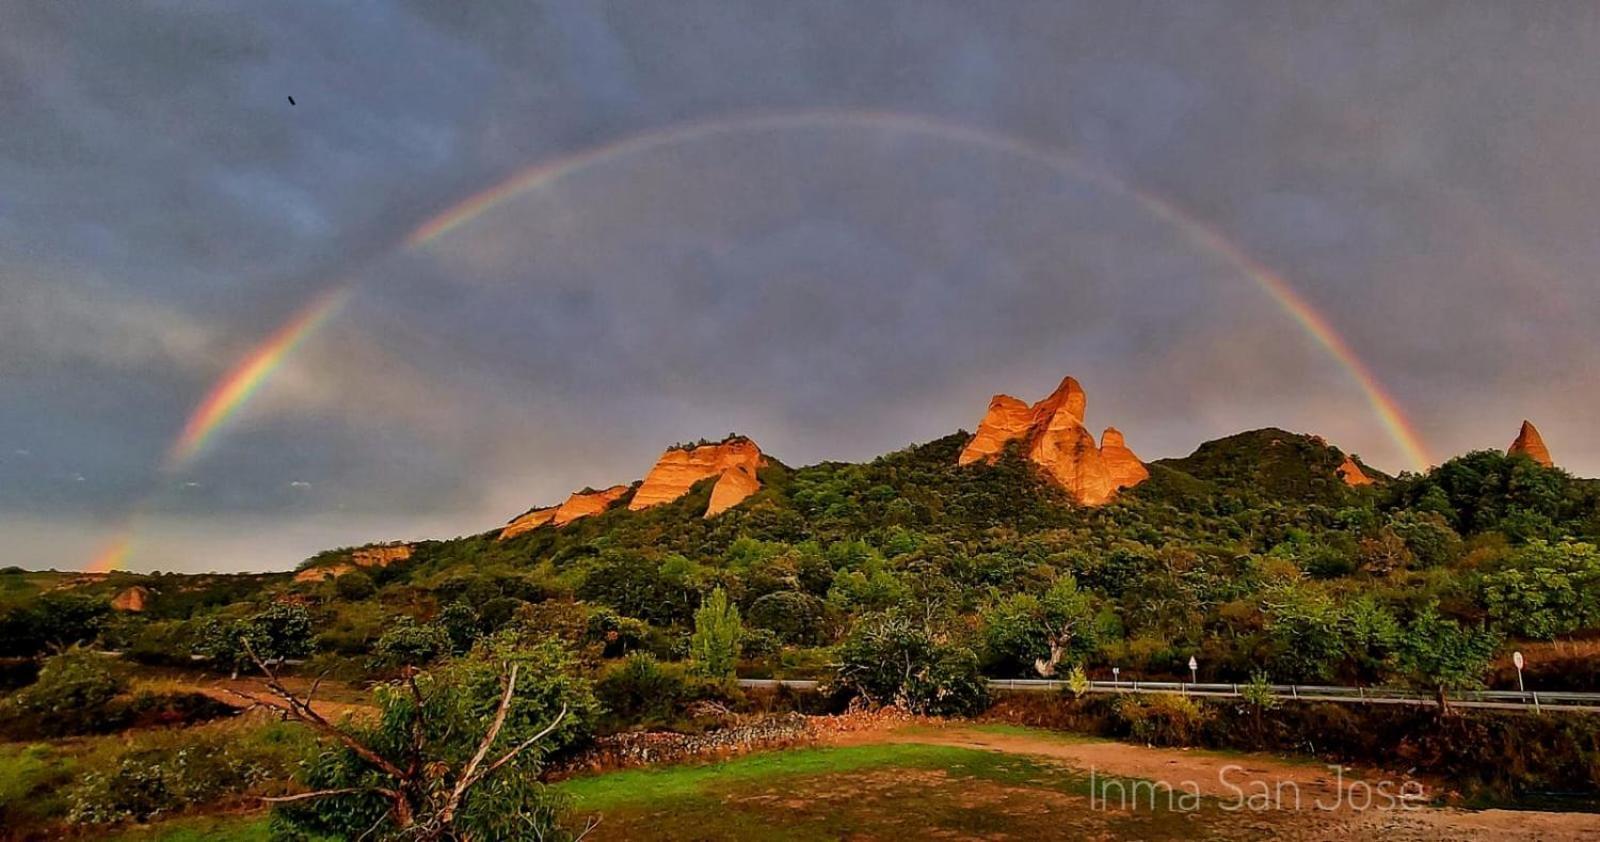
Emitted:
pixel 891 660
pixel 641 690
pixel 408 643
pixel 1162 719
pixel 164 772
pixel 793 616
pixel 73 695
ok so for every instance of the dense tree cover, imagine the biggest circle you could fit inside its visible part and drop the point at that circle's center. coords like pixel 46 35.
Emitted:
pixel 1249 555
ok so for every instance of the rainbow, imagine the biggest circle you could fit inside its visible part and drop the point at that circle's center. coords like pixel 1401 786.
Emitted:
pixel 114 553
pixel 1395 423
pixel 245 378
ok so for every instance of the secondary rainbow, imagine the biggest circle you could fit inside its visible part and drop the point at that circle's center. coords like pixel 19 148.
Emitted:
pixel 249 374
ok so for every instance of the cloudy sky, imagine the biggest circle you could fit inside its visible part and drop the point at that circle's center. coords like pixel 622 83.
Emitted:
pixel 836 227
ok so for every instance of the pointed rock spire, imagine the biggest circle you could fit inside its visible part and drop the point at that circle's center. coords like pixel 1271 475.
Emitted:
pixel 1055 438
pixel 1530 444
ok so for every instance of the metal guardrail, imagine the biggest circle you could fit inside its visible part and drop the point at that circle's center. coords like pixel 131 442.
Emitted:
pixel 1537 701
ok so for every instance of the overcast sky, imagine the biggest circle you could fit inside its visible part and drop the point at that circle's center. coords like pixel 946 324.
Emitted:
pixel 1425 175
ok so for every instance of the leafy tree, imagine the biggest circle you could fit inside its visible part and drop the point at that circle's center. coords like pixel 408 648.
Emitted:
pixel 55 621
pixel 892 659
pixel 461 624
pixel 1544 590
pixel 454 753
pixel 714 648
pixel 1440 654
pixel 282 630
pixel 793 616
pixel 408 643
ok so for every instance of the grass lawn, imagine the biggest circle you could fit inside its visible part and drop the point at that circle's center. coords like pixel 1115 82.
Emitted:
pixel 883 790
pixel 249 828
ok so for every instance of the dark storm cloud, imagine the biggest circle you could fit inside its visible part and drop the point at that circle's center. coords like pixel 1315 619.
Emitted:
pixel 1424 173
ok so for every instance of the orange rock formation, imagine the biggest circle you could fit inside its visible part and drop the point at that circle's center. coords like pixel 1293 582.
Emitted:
pixel 734 462
pixel 580 504
pixel 377 555
pixel 1053 437
pixel 1530 444
pixel 1126 469
pixel 1351 473
pixel 584 503
pixel 132 600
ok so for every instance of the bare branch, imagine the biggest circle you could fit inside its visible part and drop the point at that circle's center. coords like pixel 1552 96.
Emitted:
pixel 469 772
pixel 307 796
pixel 300 711
pixel 511 755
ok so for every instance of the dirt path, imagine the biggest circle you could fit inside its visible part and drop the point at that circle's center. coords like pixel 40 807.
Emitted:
pixel 1272 797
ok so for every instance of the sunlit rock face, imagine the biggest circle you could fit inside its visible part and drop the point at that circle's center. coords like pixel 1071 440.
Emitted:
pixel 132 600
pixel 585 503
pixel 1530 444
pixel 580 504
pixel 376 555
pixel 1123 464
pixel 1352 475
pixel 1054 438
pixel 734 462
pixel 528 522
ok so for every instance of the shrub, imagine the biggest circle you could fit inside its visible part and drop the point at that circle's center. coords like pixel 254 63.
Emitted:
pixel 163 772
pixel 640 689
pixel 73 695
pixel 889 659
pixel 793 616
pixel 409 643
pixel 1162 719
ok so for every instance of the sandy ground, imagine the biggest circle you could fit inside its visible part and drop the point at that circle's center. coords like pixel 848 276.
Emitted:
pixel 1307 801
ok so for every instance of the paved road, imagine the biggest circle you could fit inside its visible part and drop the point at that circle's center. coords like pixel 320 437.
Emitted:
pixel 1490 699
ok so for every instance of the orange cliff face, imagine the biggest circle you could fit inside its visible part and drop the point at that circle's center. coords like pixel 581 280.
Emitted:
pixel 377 555
pixel 1530 444
pixel 1054 438
pixel 580 504
pixel 734 463
pixel 1125 468
pixel 1350 471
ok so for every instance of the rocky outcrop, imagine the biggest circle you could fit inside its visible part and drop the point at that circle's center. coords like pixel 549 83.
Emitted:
pixel 585 503
pixel 381 555
pixel 317 574
pixel 1053 437
pixel 732 487
pixel 1530 444
pixel 580 504
pixel 1007 419
pixel 1350 472
pixel 734 462
pixel 376 555
pixel 1124 466
pixel 528 522
pixel 132 600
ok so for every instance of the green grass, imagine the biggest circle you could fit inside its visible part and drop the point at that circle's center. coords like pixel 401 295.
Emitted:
pixel 251 828
pixel 640 787
pixel 908 790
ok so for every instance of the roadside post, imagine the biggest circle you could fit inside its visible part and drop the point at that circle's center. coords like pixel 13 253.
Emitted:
pixel 1194 667
pixel 1516 658
pixel 1116 678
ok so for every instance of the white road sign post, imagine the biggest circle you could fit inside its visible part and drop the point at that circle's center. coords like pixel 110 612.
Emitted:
pixel 1516 658
pixel 1194 666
